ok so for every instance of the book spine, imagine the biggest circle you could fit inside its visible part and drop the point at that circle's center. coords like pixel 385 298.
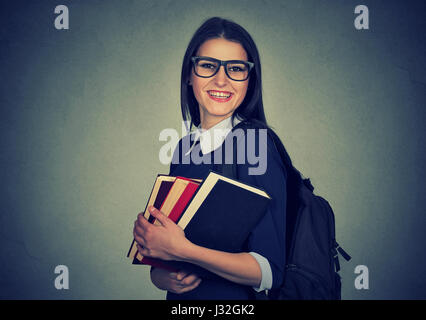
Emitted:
pixel 183 200
pixel 157 263
pixel 133 250
pixel 175 213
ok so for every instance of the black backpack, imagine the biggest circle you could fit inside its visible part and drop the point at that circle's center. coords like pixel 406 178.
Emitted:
pixel 311 272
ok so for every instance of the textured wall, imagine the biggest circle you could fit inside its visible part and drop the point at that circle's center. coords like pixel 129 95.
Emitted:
pixel 82 109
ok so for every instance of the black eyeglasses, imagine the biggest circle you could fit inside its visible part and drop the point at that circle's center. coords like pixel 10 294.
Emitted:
pixel 237 70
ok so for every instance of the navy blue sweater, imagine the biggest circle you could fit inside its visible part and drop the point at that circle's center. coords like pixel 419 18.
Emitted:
pixel 266 239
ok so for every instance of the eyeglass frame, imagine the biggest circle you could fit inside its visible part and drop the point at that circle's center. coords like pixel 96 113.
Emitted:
pixel 223 63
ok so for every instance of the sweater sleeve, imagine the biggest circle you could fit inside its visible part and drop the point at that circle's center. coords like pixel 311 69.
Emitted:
pixel 268 238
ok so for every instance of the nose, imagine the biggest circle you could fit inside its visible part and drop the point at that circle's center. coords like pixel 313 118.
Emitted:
pixel 220 77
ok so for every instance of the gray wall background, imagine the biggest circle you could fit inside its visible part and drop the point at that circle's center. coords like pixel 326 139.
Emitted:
pixel 82 109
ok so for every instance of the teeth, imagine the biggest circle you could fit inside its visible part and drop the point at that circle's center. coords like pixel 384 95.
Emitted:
pixel 219 94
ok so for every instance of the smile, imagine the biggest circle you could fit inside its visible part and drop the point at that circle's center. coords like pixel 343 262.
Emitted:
pixel 220 96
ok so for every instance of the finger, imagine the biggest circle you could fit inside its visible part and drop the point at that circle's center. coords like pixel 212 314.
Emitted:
pixel 140 217
pixel 140 214
pixel 138 229
pixel 191 287
pixel 142 221
pixel 139 240
pixel 142 226
pixel 181 275
pixel 140 247
pixel 190 279
pixel 143 251
pixel 157 214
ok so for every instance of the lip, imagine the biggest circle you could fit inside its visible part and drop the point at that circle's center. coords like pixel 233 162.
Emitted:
pixel 220 99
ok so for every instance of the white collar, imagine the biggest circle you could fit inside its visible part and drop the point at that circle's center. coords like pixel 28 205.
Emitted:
pixel 213 138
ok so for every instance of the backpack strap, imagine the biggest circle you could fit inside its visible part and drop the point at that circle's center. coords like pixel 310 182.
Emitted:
pixel 230 170
pixel 342 252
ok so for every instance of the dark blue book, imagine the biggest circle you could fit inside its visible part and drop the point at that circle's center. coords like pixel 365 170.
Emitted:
pixel 221 216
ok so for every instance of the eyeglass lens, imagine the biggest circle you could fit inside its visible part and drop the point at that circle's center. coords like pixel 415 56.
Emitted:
pixel 236 71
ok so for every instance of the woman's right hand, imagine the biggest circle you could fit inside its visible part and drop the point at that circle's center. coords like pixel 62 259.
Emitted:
pixel 176 282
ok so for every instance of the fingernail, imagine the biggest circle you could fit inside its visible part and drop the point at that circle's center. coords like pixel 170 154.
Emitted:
pixel 151 209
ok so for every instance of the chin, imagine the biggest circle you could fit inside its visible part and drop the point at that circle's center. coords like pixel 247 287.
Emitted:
pixel 219 111
pixel 220 114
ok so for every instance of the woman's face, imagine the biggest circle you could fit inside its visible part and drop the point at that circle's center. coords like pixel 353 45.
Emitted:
pixel 218 96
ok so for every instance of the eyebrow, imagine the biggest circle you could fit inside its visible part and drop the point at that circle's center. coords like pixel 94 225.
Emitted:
pixel 223 60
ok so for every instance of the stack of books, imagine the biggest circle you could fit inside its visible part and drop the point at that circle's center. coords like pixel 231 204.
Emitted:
pixel 217 212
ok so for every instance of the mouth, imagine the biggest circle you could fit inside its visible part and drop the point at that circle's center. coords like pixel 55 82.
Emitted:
pixel 220 96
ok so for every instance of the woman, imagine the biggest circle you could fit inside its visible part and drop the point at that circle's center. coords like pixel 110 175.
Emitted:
pixel 221 87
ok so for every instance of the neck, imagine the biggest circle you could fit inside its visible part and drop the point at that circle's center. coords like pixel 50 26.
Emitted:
pixel 210 121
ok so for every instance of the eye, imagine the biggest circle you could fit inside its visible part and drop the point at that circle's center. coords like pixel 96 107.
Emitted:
pixel 237 68
pixel 207 65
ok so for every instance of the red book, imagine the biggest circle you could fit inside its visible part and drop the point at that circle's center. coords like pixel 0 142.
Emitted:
pixel 179 195
pixel 183 201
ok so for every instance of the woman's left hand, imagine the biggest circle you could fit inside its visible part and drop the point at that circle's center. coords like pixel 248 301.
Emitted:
pixel 163 241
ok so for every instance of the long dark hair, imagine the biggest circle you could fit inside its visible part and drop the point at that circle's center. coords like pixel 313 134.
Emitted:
pixel 252 105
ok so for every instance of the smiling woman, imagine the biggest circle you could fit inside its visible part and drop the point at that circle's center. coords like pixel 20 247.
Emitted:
pixel 221 90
